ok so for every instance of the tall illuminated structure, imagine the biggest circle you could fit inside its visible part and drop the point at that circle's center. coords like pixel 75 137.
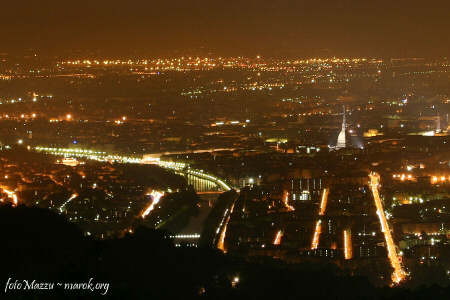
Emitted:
pixel 341 140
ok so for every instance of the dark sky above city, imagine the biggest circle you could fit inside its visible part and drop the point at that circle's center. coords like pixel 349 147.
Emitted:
pixel 246 27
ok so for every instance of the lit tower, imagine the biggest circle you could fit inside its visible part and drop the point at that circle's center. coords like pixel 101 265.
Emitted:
pixel 341 137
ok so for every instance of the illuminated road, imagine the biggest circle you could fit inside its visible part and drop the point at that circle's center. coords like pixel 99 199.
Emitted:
pixel 278 237
pixel 224 225
pixel 156 196
pixel 221 231
pixel 286 201
pixel 12 195
pixel 317 231
pixel 399 274
pixel 73 196
pixel 323 202
pixel 348 250
pixel 318 227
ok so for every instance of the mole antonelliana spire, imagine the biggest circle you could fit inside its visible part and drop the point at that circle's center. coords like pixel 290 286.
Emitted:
pixel 341 137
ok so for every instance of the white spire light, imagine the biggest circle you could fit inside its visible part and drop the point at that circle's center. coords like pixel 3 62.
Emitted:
pixel 341 137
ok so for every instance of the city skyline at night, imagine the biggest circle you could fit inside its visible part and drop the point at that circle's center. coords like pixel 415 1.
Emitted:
pixel 225 150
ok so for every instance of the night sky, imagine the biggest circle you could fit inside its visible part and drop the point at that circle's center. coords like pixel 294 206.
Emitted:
pixel 273 28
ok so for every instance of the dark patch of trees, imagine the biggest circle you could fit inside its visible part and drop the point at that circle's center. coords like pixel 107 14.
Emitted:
pixel 38 244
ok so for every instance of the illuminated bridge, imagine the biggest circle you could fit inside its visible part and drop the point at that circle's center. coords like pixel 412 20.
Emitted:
pixel 201 181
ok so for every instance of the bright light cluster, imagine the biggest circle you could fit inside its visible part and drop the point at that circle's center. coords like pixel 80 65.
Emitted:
pixel 156 196
pixel 172 165
pixel 89 154
pixel 440 179
pixel 11 194
pixel 403 177
pixel 186 236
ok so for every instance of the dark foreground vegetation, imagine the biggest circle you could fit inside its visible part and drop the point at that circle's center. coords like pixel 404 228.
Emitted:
pixel 40 245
